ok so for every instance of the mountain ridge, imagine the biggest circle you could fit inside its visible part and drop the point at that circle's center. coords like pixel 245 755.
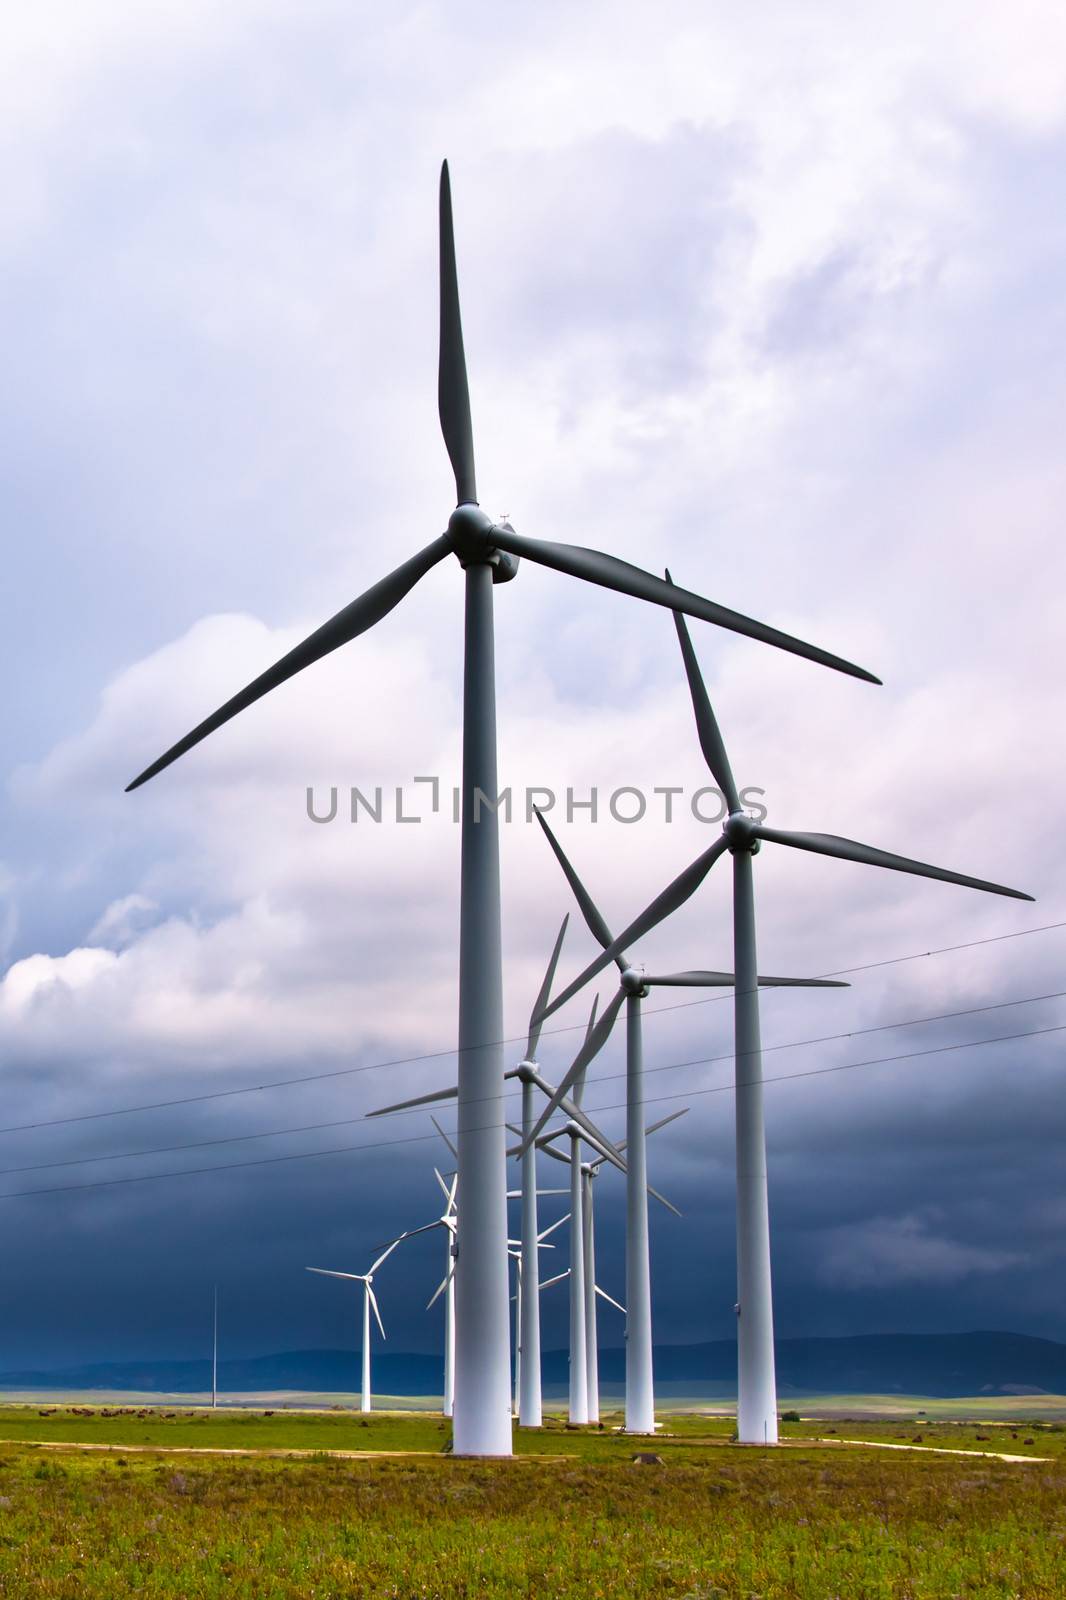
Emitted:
pixel 937 1365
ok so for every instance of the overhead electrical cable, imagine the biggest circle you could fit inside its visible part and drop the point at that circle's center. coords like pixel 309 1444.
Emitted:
pixel 420 1138
pixel 670 1066
pixel 438 1055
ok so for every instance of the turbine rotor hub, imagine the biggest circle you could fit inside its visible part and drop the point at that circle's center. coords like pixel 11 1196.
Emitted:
pixel 470 533
pixel 633 983
pixel 739 830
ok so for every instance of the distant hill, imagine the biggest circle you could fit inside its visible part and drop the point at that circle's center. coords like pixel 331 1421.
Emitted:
pixel 938 1365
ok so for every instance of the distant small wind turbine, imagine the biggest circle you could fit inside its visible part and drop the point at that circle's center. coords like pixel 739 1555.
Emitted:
pixel 449 1221
pixel 369 1303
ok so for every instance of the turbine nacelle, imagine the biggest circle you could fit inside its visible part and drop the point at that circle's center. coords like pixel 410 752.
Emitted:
pixel 740 834
pixel 470 534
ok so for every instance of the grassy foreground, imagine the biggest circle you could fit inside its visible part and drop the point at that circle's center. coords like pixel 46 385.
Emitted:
pixel 572 1516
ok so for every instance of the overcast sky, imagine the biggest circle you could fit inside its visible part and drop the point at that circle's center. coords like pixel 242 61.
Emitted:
pixel 773 296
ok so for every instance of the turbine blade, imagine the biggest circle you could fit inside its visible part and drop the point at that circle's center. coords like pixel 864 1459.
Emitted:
pixel 453 394
pixel 359 1277
pixel 715 980
pixel 603 1148
pixel 442 1285
pixel 663 1121
pixel 419 1100
pixel 830 844
pixel 673 896
pixel 579 1081
pixel 444 1187
pixel 575 1112
pixel 692 980
pixel 557 1155
pixel 444 1136
pixel 589 910
pixel 535 1022
pixel 605 1296
pixel 802 983
pixel 611 573
pixel 594 1043
pixel 610 1152
pixel 710 736
pixel 559 1276
pixel 384 1256
pixel 374 1309
pixel 544 1232
pixel 663 1201
pixel 410 1233
pixel 549 1138
pixel 346 625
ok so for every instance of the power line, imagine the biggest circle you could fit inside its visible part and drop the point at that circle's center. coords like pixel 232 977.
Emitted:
pixel 437 1055
pixel 671 1066
pixel 792 1044
pixel 420 1138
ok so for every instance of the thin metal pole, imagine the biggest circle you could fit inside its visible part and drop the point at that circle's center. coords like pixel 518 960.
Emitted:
pixel 640 1384
pixel 517 1335
pixel 214 1354
pixel 579 1396
pixel 592 1358
pixel 449 1325
pixel 530 1413
pixel 366 1347
pixel 482 1310
pixel 756 1387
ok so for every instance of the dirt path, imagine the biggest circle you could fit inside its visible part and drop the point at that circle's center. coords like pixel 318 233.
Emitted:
pixel 933 1449
pixel 211 1450
pixel 265 1451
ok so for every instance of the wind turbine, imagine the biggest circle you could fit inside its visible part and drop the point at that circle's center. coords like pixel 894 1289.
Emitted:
pixel 528 1074
pixel 590 1170
pixel 489 552
pixel 742 837
pixel 633 989
pixel 449 1221
pixel 369 1301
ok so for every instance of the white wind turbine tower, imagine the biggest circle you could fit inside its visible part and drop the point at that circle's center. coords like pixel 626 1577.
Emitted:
pixel 742 838
pixel 529 1075
pixel 369 1303
pixel 489 553
pixel 633 989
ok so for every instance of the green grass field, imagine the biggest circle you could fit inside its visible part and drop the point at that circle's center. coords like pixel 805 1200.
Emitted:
pixel 571 1516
